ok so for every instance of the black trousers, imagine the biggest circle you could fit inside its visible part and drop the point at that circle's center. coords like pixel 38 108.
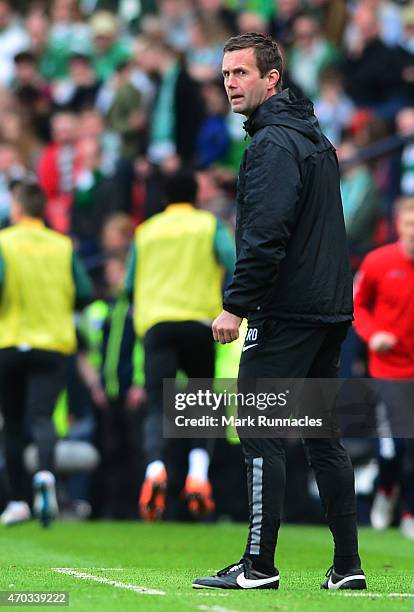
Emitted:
pixel 395 455
pixel 30 382
pixel 284 350
pixel 169 347
pixel 120 472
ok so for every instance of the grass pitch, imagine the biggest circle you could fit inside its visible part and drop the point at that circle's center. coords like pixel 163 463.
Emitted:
pixel 104 564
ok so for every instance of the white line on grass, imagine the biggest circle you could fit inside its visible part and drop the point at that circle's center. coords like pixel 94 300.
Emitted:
pixel 373 594
pixel 215 609
pixel 101 579
pixel 95 569
pixel 199 594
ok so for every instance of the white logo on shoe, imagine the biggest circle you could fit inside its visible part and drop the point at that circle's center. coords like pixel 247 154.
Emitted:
pixel 246 583
pixel 340 583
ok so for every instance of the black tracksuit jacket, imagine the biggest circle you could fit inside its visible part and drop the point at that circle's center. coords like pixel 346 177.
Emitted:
pixel 292 258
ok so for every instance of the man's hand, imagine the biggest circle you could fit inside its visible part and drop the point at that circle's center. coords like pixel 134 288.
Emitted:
pixel 226 327
pixel 136 397
pixel 99 397
pixel 382 341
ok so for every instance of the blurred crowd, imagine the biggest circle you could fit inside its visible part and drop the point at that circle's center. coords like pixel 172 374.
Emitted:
pixel 100 99
pixel 103 97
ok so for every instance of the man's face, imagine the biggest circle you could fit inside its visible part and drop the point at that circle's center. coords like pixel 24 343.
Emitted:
pixel 103 43
pixel 5 15
pixel 25 72
pixel 305 32
pixel 16 211
pixel 81 73
pixel 64 129
pixel 245 88
pixel 115 274
pixel 405 228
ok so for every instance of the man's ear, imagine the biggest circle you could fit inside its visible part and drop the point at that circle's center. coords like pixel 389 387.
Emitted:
pixel 16 211
pixel 273 78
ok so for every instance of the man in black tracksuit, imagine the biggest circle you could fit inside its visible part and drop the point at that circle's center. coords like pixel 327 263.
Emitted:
pixel 293 283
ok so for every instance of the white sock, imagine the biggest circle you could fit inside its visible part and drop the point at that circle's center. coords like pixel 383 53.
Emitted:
pixel 45 476
pixel 154 468
pixel 198 464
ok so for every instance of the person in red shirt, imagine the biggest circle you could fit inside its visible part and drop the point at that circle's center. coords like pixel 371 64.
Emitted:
pixel 57 167
pixel 384 318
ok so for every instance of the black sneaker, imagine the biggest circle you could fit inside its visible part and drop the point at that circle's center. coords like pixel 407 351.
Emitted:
pixel 238 576
pixel 354 580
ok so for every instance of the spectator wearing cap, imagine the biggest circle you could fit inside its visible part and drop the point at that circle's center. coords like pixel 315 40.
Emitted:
pixel 109 49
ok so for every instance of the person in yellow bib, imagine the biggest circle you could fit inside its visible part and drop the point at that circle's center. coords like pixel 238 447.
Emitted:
pixel 175 273
pixel 41 283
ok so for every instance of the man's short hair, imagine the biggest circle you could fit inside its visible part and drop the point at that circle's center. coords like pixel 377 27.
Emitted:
pixel 404 204
pixel 24 57
pixel 266 50
pixel 32 199
pixel 80 58
pixel 181 186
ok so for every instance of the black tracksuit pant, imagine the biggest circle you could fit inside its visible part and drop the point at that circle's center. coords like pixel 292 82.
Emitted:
pixel 30 382
pixel 284 350
pixel 169 347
